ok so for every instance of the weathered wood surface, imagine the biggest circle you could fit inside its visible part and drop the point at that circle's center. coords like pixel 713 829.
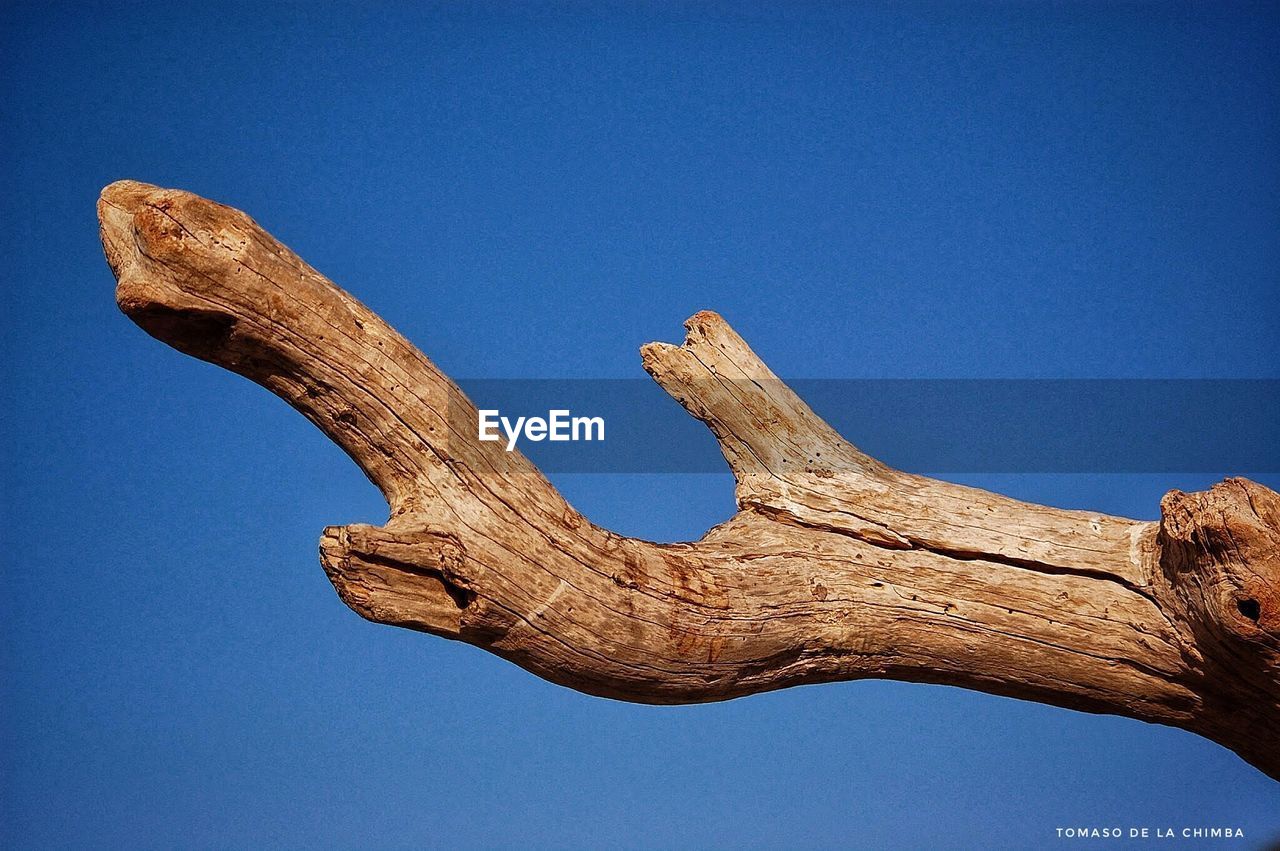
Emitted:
pixel 835 567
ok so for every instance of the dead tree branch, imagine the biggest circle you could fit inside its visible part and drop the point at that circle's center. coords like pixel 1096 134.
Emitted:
pixel 835 567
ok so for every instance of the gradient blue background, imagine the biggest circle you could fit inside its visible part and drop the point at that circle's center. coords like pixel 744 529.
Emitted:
pixel 1082 190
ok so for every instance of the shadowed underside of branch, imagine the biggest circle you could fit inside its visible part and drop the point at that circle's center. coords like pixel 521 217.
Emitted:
pixel 835 567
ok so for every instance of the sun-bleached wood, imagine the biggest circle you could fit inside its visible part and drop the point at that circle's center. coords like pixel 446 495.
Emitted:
pixel 835 567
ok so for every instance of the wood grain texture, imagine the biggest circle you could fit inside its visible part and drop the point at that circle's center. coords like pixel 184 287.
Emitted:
pixel 835 567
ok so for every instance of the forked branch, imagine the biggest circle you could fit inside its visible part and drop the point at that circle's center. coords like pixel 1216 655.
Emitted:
pixel 835 567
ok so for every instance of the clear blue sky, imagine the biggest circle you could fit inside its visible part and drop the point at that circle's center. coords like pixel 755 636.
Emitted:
pixel 1052 190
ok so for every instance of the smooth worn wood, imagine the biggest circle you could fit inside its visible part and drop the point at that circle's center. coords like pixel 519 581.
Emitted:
pixel 835 567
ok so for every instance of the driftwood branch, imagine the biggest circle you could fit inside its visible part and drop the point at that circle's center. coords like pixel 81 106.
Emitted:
pixel 835 567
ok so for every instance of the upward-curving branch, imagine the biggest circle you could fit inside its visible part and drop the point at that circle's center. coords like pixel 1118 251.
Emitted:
pixel 835 567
